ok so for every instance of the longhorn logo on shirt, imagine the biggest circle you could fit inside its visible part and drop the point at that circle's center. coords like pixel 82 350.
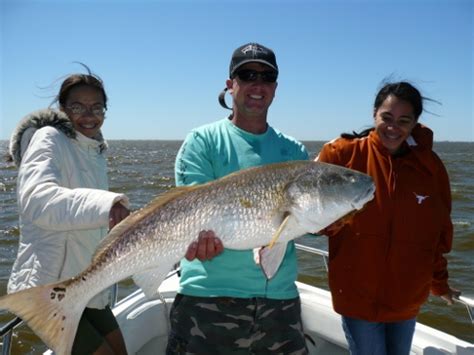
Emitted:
pixel 420 198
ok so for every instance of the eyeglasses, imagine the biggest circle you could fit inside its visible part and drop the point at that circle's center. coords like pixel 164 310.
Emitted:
pixel 247 75
pixel 77 108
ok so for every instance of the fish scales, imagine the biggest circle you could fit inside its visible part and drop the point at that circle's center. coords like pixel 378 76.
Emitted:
pixel 227 209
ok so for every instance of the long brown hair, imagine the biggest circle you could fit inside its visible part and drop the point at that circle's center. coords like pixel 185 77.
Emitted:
pixel 74 80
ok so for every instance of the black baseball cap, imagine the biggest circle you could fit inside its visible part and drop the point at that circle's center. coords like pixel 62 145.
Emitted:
pixel 249 53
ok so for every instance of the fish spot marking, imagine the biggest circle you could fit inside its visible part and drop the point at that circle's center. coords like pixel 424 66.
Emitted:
pixel 59 292
pixel 245 203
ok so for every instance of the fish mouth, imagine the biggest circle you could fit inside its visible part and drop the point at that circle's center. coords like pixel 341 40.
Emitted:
pixel 365 197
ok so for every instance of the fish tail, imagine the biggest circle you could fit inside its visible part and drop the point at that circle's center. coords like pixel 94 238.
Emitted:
pixel 50 311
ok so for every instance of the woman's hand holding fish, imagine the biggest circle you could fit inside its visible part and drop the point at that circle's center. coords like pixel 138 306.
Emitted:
pixel 450 296
pixel 205 248
pixel 117 213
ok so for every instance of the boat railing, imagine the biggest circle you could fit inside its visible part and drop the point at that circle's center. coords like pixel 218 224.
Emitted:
pixel 468 302
pixel 7 330
pixel 323 253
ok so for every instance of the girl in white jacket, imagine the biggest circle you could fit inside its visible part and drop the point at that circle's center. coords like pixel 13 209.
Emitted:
pixel 64 204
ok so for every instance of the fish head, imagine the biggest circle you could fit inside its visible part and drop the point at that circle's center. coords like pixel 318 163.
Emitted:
pixel 323 193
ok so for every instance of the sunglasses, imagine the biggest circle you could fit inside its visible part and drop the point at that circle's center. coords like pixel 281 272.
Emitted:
pixel 247 75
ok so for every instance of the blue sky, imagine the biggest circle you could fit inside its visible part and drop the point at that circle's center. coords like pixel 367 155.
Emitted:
pixel 164 62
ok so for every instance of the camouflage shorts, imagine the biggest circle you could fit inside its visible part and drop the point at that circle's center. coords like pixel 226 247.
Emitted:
pixel 224 325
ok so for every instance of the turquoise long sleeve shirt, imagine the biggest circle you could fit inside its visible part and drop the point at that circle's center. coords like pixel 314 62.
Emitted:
pixel 211 152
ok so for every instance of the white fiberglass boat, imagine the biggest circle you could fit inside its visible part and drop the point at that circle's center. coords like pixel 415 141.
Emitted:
pixel 145 323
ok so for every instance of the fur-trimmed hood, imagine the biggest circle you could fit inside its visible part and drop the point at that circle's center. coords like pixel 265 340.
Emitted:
pixel 39 119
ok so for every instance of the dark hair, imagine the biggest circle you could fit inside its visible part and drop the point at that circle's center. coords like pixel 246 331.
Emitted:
pixel 74 80
pixel 401 90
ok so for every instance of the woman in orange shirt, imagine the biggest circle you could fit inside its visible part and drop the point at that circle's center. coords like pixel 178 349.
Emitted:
pixel 385 261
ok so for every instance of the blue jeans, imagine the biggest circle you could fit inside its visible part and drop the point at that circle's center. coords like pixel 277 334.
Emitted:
pixel 378 338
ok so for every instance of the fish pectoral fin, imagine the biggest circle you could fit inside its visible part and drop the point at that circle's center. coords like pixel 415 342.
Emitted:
pixel 150 280
pixel 270 259
pixel 279 231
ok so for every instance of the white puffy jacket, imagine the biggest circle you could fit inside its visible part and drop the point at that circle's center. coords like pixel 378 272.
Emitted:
pixel 63 201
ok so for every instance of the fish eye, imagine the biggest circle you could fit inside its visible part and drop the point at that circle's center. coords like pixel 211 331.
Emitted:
pixel 350 177
pixel 335 179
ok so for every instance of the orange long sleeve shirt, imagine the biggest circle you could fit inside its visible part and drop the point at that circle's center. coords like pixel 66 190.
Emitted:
pixel 385 261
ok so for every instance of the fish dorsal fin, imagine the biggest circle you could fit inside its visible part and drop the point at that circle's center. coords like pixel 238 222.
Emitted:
pixel 274 167
pixel 139 215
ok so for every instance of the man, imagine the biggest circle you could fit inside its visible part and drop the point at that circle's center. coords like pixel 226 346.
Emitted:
pixel 227 305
